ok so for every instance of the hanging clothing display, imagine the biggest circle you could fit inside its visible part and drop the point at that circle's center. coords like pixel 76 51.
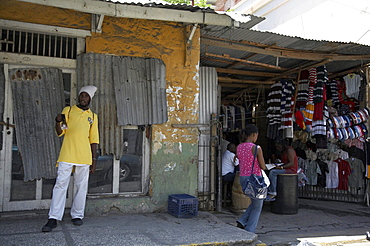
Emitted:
pixel 328 112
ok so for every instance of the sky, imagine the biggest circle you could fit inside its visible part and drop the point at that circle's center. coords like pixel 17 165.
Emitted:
pixel 330 20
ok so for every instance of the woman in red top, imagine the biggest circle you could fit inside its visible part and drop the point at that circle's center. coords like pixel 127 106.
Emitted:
pixel 245 152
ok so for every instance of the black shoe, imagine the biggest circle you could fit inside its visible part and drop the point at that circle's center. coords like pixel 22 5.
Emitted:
pixel 77 221
pixel 52 223
pixel 239 225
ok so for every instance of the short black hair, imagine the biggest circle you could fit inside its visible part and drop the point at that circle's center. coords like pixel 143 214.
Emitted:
pixel 230 145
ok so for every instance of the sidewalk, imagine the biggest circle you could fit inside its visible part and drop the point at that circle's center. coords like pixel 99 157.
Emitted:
pixel 317 222
pixel 319 219
pixel 119 229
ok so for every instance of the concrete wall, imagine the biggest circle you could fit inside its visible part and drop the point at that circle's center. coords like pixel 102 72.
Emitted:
pixel 174 151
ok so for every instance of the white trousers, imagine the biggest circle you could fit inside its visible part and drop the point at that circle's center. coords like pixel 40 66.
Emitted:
pixel 58 202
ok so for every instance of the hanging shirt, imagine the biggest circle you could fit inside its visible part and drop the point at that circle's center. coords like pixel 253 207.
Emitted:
pixel 344 171
pixel 332 179
pixel 353 83
pixel 312 170
pixel 356 178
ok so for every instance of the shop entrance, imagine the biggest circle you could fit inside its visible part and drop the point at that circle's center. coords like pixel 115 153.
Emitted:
pixel 22 190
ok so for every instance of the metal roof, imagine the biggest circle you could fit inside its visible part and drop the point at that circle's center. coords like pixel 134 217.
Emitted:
pixel 239 50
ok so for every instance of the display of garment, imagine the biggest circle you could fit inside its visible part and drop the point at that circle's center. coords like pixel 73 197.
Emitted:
pixel 356 177
pixel 332 92
pixel 362 93
pixel 344 170
pixel 274 110
pixel 242 114
pixel 341 85
pixel 332 178
pixel 319 91
pixel 301 163
pixel 302 94
pixel 311 155
pixel 321 177
pixel 224 117
pixel 231 117
pixel 353 83
pixel 238 118
pixel 310 107
pixel 342 154
pixel 312 170
pixel 356 142
pixel 287 107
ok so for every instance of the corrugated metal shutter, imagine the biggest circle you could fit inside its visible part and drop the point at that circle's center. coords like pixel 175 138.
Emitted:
pixel 96 69
pixel 2 101
pixel 140 88
pixel 37 98
pixel 140 80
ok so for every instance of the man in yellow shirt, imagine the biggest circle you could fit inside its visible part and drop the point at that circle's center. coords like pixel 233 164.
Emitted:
pixel 79 126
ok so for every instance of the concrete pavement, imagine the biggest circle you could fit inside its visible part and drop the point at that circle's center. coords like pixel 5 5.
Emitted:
pixel 121 229
pixel 316 222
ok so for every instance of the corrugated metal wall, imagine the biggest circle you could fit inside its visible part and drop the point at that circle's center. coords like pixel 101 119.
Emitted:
pixel 208 98
pixel 2 101
pixel 37 98
pixel 140 88
pixel 96 69
pixel 208 101
pixel 131 91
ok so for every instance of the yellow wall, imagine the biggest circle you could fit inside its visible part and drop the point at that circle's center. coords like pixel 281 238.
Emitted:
pixel 174 151
pixel 166 41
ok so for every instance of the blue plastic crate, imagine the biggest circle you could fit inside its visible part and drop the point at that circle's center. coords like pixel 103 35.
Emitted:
pixel 182 205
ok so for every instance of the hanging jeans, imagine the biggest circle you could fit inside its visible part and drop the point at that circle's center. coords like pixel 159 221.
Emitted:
pixel 58 202
pixel 250 217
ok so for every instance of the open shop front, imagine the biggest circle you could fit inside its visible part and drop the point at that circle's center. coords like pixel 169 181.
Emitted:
pixel 315 94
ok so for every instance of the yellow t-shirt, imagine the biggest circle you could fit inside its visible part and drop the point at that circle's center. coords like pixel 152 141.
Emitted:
pixel 82 131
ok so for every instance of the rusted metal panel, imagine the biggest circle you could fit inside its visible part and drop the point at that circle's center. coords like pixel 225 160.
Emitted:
pixel 37 98
pixel 140 89
pixel 96 69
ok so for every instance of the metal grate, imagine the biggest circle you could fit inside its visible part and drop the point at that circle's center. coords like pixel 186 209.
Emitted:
pixel 38 44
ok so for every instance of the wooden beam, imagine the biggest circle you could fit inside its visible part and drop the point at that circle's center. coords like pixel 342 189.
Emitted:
pixel 235 85
pixel 245 61
pixel 292 54
pixel 245 72
pixel 243 81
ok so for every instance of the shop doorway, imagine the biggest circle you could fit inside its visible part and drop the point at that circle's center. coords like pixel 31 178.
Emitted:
pixel 22 189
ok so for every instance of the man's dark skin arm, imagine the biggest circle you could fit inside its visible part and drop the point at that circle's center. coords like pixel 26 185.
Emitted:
pixel 58 119
pixel 94 148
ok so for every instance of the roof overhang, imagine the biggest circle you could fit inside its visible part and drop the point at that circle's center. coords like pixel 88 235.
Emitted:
pixel 142 12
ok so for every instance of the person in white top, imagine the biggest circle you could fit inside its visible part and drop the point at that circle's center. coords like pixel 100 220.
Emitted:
pixel 229 162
